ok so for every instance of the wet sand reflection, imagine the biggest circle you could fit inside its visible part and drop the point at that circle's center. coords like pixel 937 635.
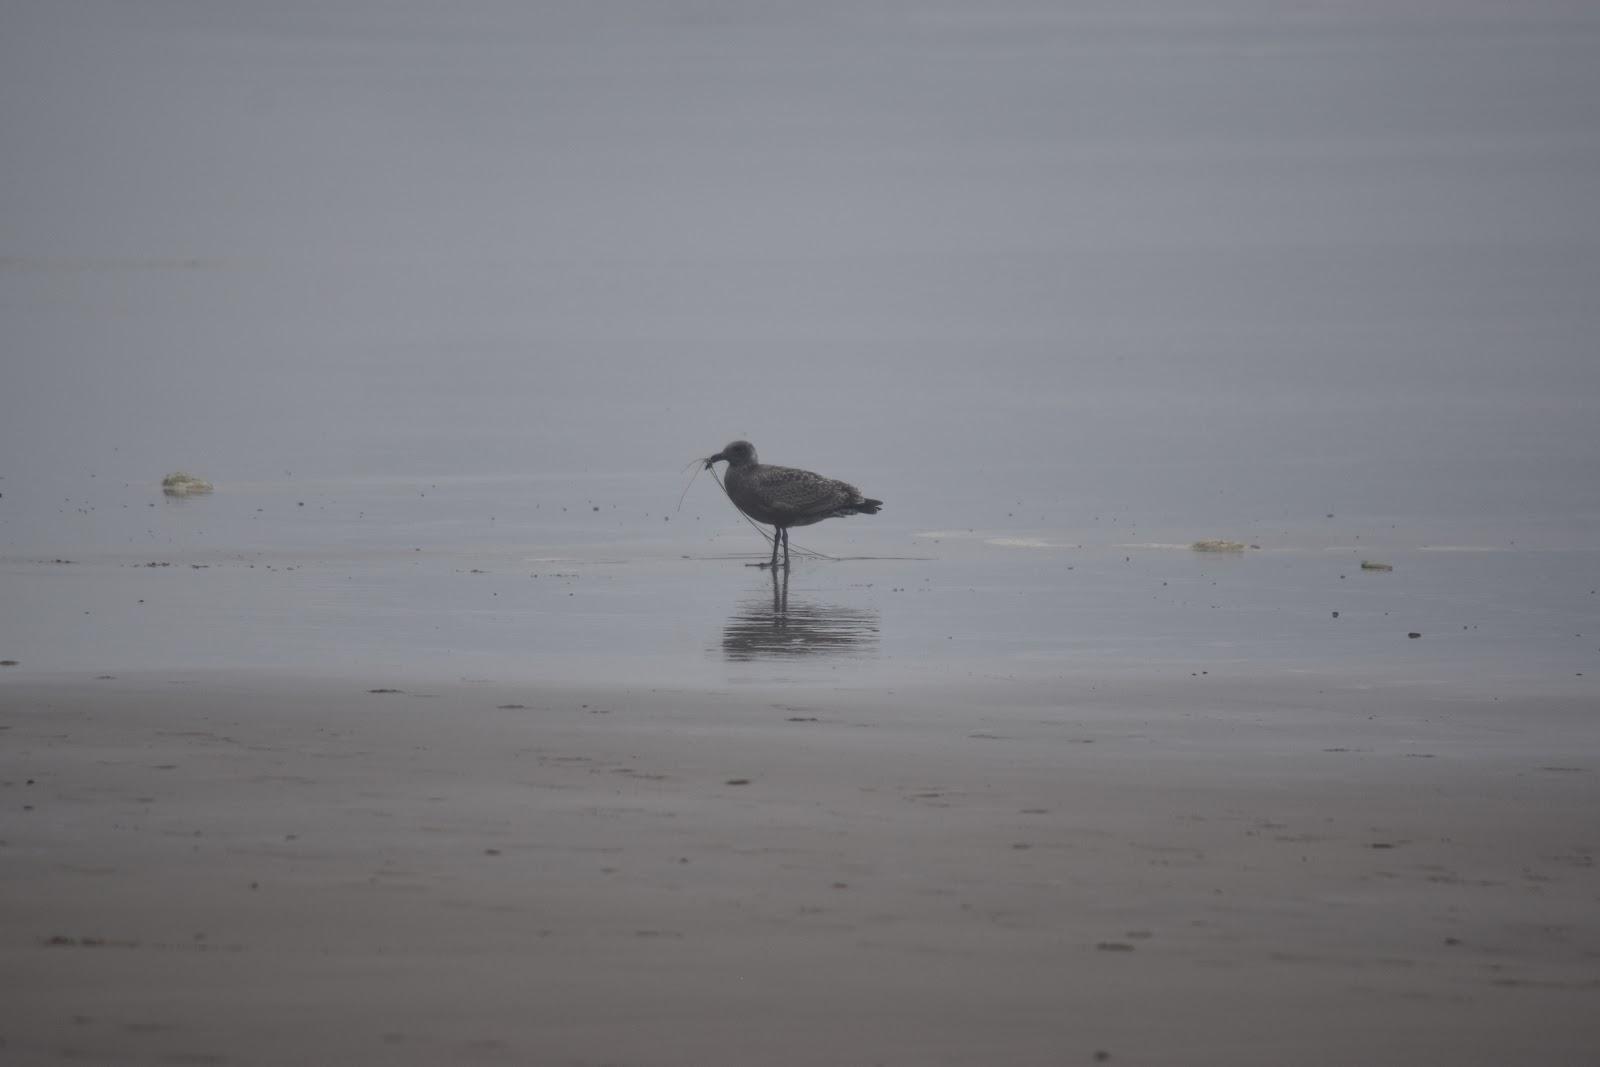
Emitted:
pixel 780 628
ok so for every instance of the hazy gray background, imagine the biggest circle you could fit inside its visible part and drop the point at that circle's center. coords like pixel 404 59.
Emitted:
pixel 1197 263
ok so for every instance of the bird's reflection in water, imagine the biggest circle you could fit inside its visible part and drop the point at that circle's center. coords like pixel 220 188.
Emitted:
pixel 780 628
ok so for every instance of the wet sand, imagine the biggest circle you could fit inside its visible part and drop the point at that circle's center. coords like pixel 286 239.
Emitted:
pixel 236 868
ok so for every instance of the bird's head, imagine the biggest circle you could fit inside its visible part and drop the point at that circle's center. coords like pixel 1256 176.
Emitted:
pixel 737 454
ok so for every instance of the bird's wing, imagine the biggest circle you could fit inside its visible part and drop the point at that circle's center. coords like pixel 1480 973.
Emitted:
pixel 790 491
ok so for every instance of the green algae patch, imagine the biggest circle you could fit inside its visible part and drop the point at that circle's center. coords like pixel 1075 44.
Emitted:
pixel 180 483
pixel 1218 546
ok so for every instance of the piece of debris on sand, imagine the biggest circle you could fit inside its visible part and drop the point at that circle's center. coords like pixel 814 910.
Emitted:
pixel 179 483
pixel 1373 565
pixel 1218 546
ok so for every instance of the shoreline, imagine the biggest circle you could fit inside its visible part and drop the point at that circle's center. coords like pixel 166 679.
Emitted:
pixel 245 868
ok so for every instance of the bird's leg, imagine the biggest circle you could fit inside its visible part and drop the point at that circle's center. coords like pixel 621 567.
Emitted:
pixel 786 551
pixel 777 535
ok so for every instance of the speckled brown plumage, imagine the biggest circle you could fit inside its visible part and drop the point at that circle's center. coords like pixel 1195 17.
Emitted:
pixel 786 496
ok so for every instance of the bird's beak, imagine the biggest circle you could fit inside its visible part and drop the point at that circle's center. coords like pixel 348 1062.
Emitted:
pixel 712 459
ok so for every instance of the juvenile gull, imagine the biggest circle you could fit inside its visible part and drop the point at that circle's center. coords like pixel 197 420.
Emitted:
pixel 784 496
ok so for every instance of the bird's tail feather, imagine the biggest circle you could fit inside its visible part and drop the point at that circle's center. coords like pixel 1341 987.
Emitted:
pixel 867 507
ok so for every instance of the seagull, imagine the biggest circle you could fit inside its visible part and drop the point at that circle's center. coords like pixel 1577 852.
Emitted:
pixel 786 496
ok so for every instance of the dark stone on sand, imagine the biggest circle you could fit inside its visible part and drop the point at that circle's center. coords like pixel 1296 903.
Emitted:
pixel 1413 634
pixel 8 663
pixel 737 781
pixel 385 690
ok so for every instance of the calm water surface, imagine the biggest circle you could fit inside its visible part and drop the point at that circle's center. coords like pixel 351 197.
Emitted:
pixel 390 580
pixel 443 301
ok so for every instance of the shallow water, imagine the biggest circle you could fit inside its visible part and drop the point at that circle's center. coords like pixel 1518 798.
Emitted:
pixel 493 579
pixel 443 302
